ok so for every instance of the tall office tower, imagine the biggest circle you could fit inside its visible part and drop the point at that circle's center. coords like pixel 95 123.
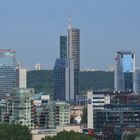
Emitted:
pixel 124 68
pixel 74 53
pixel 21 74
pixel 7 72
pixel 136 83
pixel 63 47
pixel 63 80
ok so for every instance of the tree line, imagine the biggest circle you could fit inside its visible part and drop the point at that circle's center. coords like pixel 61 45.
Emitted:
pixel 43 80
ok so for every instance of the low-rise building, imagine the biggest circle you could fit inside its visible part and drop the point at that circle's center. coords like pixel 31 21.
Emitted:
pixel 52 114
pixel 95 100
pixel 116 114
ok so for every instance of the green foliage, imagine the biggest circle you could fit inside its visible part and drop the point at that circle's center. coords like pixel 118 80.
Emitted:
pixel 84 115
pixel 97 80
pixel 69 136
pixel 14 132
pixel 41 80
pixel 127 135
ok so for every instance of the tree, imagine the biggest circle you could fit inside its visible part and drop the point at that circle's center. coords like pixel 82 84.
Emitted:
pixel 128 135
pixel 43 80
pixel 14 132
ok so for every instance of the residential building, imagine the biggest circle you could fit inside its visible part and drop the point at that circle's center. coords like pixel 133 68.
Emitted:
pixel 3 112
pixel 53 114
pixel 124 68
pixel 127 114
pixel 117 131
pixel 23 112
pixel 76 113
pixel 58 114
pixel 7 72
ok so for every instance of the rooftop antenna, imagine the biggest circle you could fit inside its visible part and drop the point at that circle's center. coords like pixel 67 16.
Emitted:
pixel 69 22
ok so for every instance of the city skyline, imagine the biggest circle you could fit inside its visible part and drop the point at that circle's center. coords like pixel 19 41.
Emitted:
pixel 33 29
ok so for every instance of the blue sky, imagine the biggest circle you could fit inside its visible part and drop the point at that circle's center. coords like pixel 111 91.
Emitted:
pixel 33 27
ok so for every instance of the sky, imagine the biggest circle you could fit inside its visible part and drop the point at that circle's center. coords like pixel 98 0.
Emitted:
pixel 33 27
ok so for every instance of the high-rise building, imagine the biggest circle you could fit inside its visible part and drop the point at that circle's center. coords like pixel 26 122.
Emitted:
pixel 67 68
pixel 74 53
pixel 21 77
pixel 136 84
pixel 64 80
pixel 124 68
pixel 7 72
pixel 63 47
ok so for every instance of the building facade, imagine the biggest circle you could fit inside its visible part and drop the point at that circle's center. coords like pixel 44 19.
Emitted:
pixel 117 114
pixel 95 100
pixel 63 47
pixel 23 112
pixel 124 68
pixel 136 83
pixel 52 114
pixel 21 75
pixel 74 53
pixel 7 72
pixel 58 114
pixel 63 80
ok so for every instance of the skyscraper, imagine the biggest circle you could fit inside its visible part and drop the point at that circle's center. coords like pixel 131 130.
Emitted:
pixel 74 53
pixel 64 80
pixel 7 72
pixel 63 47
pixel 67 68
pixel 124 68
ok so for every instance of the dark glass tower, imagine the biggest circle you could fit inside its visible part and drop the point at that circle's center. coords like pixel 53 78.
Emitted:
pixel 64 80
pixel 124 68
pixel 63 47
pixel 67 67
pixel 7 72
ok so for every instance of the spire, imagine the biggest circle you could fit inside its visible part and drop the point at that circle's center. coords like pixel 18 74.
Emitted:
pixel 69 22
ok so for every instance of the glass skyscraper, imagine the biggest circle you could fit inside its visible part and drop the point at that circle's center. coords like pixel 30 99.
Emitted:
pixel 63 47
pixel 64 80
pixel 67 67
pixel 7 72
pixel 124 68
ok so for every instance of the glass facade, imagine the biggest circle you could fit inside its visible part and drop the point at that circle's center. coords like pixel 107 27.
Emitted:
pixel 7 72
pixel 127 60
pixel 63 47
pixel 63 80
pixel 124 68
